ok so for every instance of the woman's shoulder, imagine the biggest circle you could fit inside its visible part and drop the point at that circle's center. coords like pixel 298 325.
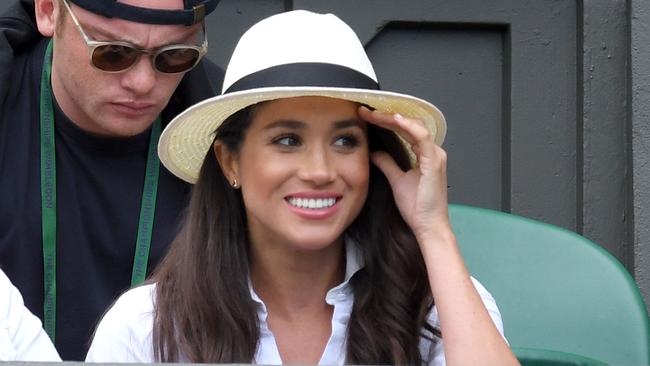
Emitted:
pixel 133 308
pixel 136 300
pixel 124 333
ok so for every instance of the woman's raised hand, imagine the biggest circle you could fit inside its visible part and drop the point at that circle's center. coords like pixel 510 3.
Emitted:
pixel 421 192
pixel 471 337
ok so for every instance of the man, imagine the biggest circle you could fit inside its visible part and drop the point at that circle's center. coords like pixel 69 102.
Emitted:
pixel 85 210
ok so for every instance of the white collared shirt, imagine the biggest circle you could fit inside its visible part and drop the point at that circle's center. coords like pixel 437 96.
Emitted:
pixel 124 334
pixel 22 337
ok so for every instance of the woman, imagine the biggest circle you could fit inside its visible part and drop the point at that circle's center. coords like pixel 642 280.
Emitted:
pixel 317 231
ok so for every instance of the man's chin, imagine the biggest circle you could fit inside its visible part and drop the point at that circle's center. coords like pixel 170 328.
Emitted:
pixel 125 128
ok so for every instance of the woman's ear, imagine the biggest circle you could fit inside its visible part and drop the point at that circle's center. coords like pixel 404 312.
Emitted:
pixel 227 161
pixel 47 12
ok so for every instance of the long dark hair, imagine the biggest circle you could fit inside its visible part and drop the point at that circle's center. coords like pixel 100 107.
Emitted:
pixel 203 309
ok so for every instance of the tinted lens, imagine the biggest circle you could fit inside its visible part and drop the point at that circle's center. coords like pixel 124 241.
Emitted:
pixel 114 57
pixel 176 59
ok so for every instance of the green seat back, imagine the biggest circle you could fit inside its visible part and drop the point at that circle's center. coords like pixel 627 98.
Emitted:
pixel 541 357
pixel 555 289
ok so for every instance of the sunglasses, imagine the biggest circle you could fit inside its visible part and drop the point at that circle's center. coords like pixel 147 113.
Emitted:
pixel 119 56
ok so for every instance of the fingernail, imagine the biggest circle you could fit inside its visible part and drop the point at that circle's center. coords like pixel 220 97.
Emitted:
pixel 398 117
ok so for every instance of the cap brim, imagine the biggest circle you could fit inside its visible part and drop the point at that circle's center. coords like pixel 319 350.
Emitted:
pixel 188 137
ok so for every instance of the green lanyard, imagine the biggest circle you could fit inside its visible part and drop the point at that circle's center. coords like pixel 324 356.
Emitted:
pixel 48 200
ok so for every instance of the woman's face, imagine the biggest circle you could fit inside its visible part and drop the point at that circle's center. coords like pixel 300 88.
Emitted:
pixel 303 169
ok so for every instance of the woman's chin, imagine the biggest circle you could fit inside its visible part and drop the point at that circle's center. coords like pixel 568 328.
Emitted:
pixel 314 242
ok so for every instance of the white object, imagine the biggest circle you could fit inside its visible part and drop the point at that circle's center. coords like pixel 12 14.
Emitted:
pixel 22 337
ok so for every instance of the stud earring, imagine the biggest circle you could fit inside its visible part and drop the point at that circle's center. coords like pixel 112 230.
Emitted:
pixel 235 184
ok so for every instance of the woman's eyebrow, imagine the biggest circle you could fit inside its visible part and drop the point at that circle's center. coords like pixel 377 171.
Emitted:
pixel 349 123
pixel 286 123
pixel 296 125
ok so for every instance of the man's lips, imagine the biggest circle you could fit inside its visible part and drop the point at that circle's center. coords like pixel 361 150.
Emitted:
pixel 134 108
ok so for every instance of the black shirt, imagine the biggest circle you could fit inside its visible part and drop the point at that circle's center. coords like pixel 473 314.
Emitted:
pixel 99 191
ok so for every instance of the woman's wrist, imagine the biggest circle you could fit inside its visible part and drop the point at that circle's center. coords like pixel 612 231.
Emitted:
pixel 438 231
pixel 436 236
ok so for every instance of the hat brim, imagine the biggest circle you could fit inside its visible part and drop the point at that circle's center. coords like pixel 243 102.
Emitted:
pixel 188 137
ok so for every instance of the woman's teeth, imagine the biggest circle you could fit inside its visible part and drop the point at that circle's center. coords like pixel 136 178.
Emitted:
pixel 313 203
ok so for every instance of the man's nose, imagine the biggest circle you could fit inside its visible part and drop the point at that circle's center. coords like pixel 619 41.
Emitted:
pixel 141 78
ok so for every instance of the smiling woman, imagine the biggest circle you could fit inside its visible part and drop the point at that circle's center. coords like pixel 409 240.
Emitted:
pixel 305 160
pixel 317 231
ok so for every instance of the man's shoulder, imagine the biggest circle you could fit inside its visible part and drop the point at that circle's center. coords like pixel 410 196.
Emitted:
pixel 18 34
pixel 18 26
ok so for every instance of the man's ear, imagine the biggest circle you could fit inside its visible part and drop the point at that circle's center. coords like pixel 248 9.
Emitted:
pixel 227 161
pixel 47 12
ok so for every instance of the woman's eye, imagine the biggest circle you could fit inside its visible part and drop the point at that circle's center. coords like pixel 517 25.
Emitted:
pixel 346 141
pixel 287 141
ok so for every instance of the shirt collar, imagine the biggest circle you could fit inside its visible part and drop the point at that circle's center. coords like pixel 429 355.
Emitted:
pixel 353 262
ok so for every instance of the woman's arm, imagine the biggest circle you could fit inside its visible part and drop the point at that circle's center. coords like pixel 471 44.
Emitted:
pixel 469 335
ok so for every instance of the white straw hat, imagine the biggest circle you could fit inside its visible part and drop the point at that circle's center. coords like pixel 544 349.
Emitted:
pixel 292 54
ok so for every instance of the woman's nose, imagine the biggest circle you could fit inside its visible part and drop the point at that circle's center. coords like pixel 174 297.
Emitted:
pixel 317 166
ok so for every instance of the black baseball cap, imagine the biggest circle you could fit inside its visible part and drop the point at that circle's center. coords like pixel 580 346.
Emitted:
pixel 193 12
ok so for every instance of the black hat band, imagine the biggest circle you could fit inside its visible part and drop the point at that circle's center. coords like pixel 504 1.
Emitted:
pixel 114 9
pixel 305 74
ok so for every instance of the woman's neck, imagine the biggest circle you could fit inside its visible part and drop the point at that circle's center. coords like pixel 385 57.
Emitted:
pixel 293 284
pixel 291 281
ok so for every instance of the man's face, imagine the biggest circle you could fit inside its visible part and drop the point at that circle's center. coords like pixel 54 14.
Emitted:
pixel 114 104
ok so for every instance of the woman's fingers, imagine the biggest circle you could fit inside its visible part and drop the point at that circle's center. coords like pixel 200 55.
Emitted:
pixel 421 192
pixel 412 130
pixel 387 165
